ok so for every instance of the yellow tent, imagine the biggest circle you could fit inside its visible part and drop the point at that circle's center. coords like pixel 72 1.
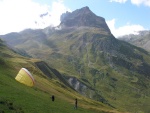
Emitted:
pixel 25 77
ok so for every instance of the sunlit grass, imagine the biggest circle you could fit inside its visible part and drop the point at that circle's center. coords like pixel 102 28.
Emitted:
pixel 16 97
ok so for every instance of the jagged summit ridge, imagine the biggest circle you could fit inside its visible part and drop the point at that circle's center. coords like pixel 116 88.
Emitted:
pixel 83 17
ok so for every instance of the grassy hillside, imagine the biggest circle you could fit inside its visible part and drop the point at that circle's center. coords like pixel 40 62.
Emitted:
pixel 18 98
pixel 112 71
pixel 117 71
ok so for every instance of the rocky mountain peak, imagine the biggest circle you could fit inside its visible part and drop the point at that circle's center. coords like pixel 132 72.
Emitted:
pixel 83 17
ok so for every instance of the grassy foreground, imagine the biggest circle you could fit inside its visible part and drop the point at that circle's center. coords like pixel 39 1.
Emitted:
pixel 18 98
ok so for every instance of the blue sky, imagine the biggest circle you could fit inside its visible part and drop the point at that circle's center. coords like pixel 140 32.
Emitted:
pixel 122 16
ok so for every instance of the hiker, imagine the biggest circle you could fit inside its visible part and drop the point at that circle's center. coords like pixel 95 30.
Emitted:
pixel 76 103
pixel 53 98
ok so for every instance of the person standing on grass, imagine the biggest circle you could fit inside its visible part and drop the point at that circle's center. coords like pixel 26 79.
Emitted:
pixel 53 98
pixel 76 104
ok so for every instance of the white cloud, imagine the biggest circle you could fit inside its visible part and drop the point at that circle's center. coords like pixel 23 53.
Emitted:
pixel 17 15
pixel 135 2
pixel 139 2
pixel 120 1
pixel 57 9
pixel 124 30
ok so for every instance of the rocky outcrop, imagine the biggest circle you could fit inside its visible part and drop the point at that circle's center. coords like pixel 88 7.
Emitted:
pixel 85 90
pixel 78 86
pixel 83 17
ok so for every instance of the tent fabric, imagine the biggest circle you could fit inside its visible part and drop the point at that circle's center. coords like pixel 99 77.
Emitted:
pixel 25 77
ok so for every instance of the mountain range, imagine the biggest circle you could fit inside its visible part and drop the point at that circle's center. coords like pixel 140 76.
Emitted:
pixel 142 39
pixel 83 54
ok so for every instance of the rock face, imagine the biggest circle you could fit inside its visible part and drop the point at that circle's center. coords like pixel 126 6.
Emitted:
pixel 84 89
pixel 83 17
pixel 80 87
pixel 76 84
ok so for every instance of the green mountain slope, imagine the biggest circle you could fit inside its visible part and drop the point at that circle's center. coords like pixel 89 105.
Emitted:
pixel 117 71
pixel 91 60
pixel 18 98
